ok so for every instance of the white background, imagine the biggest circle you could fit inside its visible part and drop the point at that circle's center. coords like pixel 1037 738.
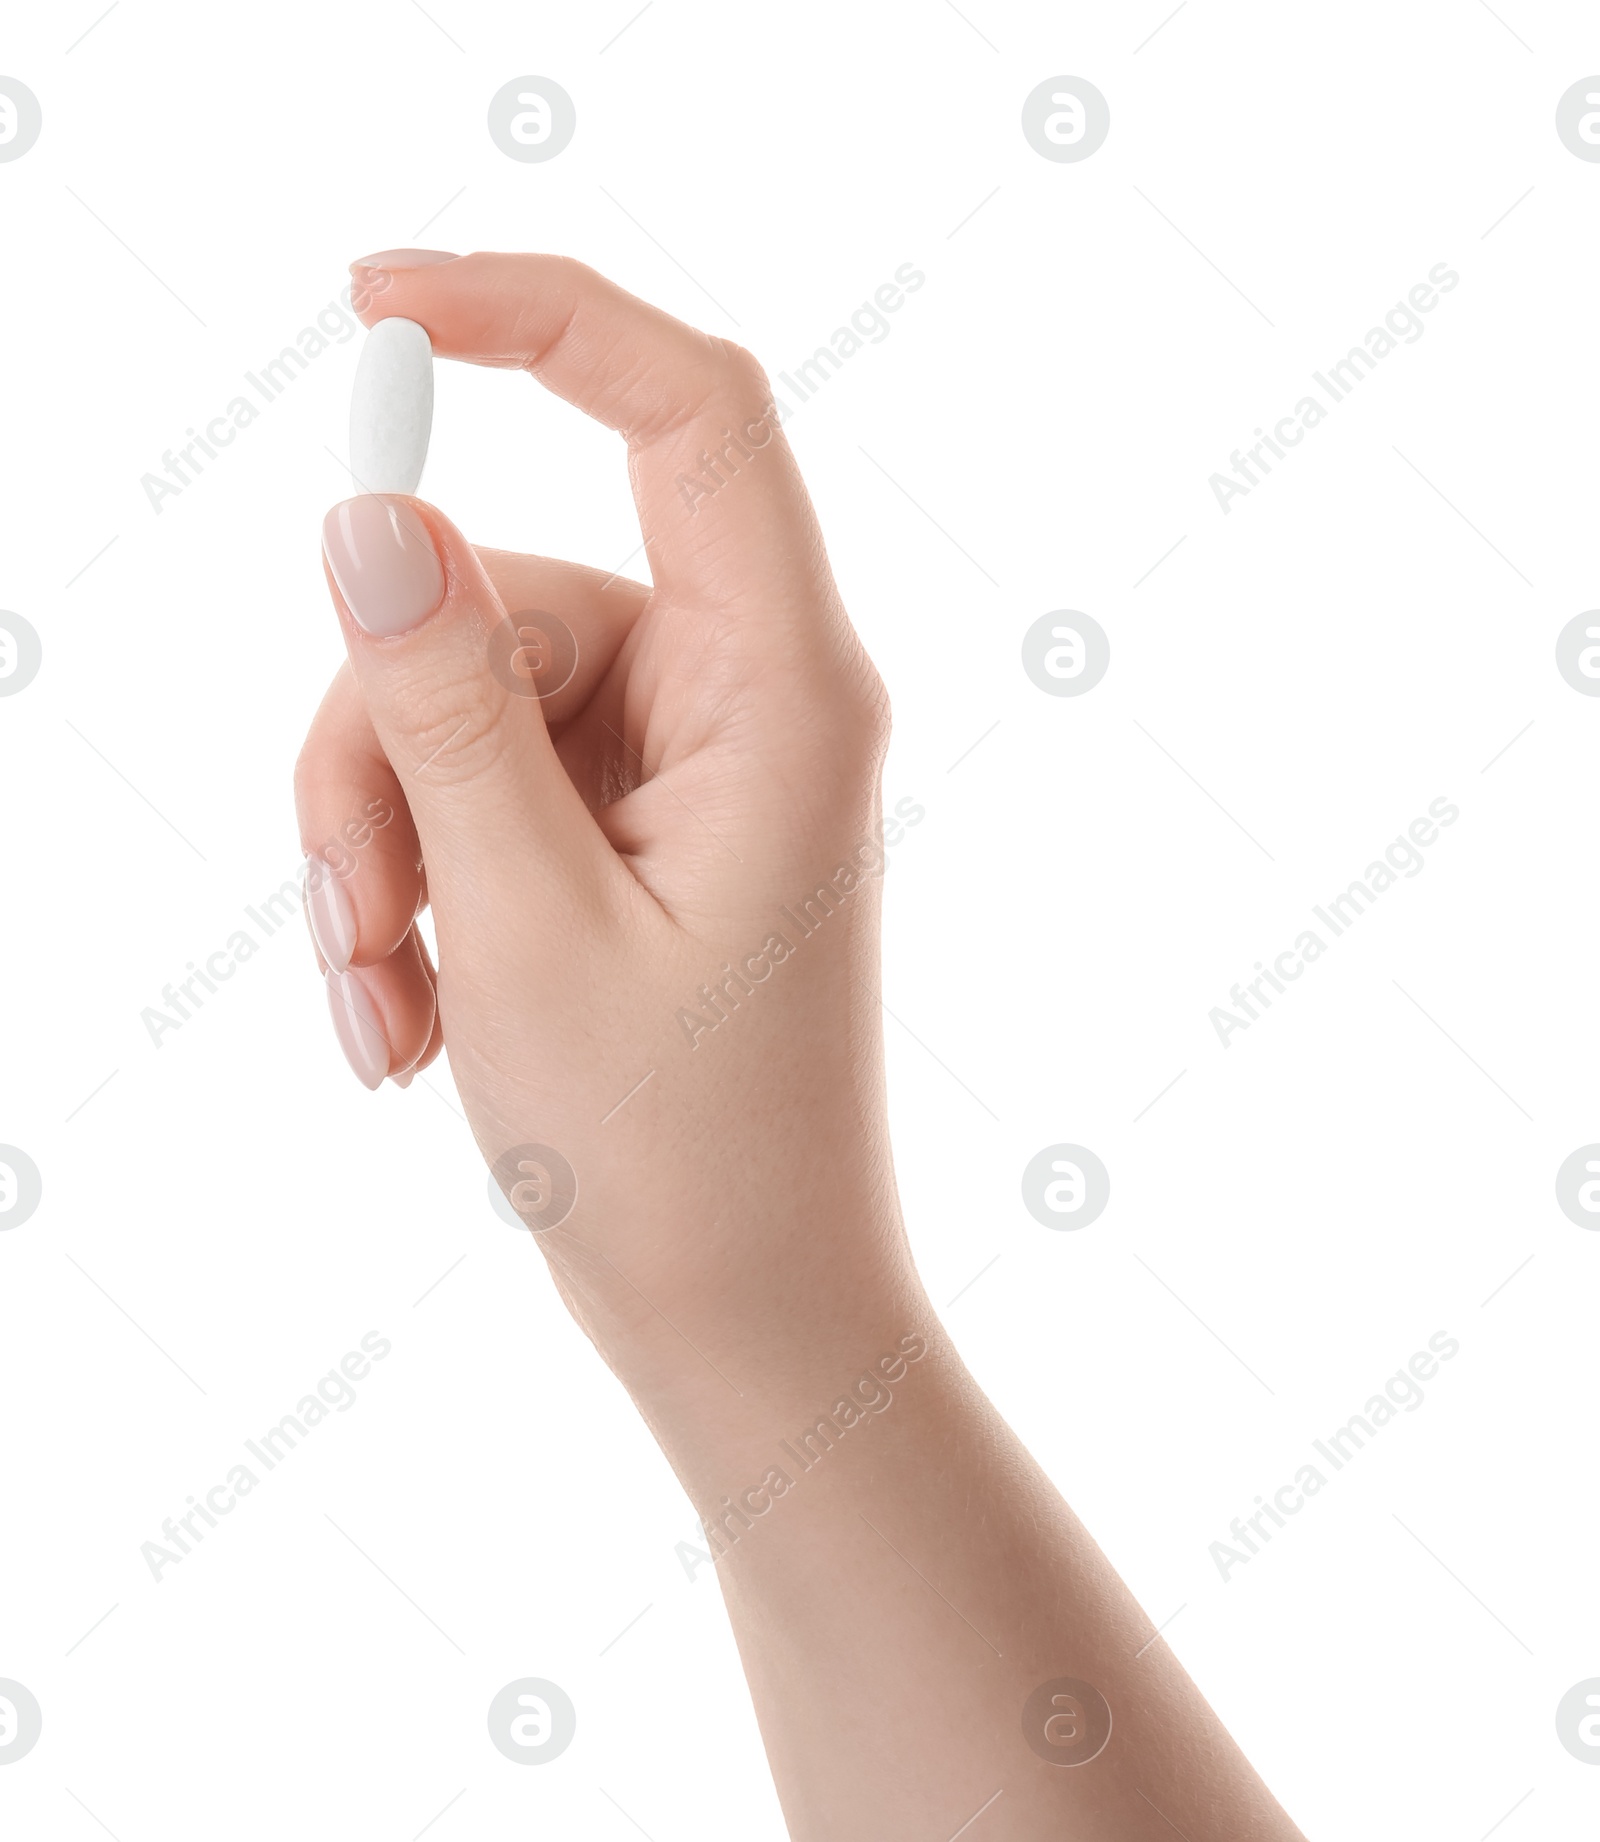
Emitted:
pixel 1288 1223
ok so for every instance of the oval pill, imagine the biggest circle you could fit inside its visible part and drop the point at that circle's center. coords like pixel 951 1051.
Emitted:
pixel 391 408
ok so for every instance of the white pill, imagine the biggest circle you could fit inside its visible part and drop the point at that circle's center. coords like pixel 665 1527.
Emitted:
pixel 391 408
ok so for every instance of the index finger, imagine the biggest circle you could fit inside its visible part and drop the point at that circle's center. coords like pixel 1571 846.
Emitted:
pixel 723 510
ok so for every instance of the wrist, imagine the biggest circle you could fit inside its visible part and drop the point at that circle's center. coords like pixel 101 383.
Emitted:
pixel 830 1426
pixel 721 1372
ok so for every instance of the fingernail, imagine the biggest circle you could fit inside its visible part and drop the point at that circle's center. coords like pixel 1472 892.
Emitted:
pixel 329 910
pixel 384 563
pixel 402 1080
pixel 355 1023
pixel 404 259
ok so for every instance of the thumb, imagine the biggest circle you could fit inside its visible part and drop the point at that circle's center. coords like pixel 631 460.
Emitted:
pixel 503 830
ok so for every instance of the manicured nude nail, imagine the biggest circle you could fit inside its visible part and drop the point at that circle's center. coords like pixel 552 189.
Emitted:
pixel 331 914
pixel 384 562
pixel 404 259
pixel 356 1024
pixel 403 1080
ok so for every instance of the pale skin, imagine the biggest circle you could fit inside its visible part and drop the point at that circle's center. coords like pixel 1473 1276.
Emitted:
pixel 594 860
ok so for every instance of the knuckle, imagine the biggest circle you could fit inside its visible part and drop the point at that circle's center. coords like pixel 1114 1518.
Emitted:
pixel 457 732
pixel 570 280
pixel 306 779
pixel 879 712
pixel 851 730
pixel 869 716
pixel 743 376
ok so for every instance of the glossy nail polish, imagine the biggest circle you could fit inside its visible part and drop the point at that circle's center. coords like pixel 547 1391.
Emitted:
pixel 357 1026
pixel 331 914
pixel 383 560
pixel 405 259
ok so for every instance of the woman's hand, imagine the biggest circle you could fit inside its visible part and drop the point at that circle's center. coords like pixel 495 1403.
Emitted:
pixel 663 872
pixel 655 891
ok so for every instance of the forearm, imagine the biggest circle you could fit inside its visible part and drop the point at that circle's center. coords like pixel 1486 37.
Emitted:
pixel 903 1581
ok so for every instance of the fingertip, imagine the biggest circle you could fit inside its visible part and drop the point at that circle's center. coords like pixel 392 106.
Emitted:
pixel 372 276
